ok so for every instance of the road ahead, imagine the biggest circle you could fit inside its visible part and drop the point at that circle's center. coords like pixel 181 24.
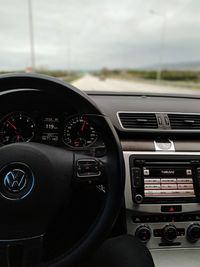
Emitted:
pixel 91 83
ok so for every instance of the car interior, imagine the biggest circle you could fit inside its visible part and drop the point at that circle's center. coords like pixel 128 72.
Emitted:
pixel 99 134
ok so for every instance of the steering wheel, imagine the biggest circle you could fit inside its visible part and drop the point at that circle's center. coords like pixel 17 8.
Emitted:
pixel 36 178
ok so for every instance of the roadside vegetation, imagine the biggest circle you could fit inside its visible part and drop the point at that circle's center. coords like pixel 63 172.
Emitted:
pixel 179 78
pixel 168 75
pixel 190 79
pixel 67 76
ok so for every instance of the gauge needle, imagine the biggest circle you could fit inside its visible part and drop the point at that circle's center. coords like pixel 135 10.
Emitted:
pixel 83 125
pixel 12 125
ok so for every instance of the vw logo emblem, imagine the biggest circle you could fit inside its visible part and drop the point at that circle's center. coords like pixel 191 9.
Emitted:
pixel 15 180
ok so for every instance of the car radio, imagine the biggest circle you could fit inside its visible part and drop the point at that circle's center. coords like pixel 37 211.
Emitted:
pixel 163 198
pixel 165 179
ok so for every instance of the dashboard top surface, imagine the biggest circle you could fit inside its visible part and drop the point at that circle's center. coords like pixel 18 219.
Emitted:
pixel 111 104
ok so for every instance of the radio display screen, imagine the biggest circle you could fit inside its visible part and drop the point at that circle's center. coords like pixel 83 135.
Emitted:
pixel 168 182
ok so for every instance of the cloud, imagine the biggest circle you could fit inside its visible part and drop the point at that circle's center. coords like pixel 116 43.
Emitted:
pixel 91 34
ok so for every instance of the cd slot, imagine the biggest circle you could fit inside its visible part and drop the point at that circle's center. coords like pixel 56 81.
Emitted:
pixel 166 163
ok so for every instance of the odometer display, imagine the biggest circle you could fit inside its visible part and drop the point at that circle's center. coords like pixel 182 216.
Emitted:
pixel 17 127
pixel 79 132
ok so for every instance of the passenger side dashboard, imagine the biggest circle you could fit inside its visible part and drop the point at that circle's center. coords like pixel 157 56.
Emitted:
pixel 163 133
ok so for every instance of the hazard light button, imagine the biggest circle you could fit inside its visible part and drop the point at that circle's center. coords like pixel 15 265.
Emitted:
pixel 171 209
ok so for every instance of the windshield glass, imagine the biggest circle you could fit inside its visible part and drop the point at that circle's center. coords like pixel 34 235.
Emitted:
pixel 107 45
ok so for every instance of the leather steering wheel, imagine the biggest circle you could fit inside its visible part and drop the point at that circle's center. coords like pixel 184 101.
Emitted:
pixel 45 175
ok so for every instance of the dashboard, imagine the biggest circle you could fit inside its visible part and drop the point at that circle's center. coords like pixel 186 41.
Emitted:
pixel 147 129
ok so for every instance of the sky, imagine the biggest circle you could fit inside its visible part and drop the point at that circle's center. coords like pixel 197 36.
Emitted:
pixel 93 34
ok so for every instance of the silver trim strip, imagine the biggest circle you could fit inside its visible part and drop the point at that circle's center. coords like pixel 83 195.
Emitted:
pixel 161 146
pixel 161 112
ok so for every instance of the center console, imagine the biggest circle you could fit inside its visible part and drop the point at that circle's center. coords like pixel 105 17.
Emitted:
pixel 163 198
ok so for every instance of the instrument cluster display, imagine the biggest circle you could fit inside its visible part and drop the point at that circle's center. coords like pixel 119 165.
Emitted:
pixel 73 131
pixel 50 129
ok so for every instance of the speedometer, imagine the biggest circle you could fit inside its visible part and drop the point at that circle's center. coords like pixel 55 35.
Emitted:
pixel 17 127
pixel 79 132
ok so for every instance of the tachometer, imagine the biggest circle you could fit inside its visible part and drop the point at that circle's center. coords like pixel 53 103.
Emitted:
pixel 79 132
pixel 17 127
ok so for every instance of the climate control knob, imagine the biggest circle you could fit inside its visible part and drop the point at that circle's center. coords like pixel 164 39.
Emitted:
pixel 169 233
pixel 143 232
pixel 193 232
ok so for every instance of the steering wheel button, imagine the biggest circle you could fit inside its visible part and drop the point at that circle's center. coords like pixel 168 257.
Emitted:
pixel 88 168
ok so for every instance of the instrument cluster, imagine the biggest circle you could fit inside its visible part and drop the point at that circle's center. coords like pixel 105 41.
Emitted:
pixel 73 131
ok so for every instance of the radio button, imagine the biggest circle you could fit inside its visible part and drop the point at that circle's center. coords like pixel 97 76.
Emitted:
pixel 136 177
pixel 189 172
pixel 166 192
pixel 168 180
pixel 170 192
pixel 152 186
pixel 146 172
pixel 152 181
pixel 152 193
pixel 136 172
pixel 169 186
pixel 137 183
pixel 183 192
pixel 185 180
pixel 187 192
pixel 185 186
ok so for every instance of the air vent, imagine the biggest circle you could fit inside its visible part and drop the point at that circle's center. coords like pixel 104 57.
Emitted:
pixel 185 121
pixel 138 120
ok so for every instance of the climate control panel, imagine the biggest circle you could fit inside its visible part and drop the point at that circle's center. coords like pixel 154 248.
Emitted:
pixel 165 234
pixel 162 235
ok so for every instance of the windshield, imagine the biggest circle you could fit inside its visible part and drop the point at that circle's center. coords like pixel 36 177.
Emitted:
pixel 107 45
